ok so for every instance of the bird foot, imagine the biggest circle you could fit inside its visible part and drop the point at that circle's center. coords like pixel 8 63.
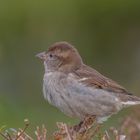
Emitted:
pixel 87 123
pixel 85 130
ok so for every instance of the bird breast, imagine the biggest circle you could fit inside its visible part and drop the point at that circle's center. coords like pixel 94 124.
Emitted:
pixel 55 91
pixel 76 99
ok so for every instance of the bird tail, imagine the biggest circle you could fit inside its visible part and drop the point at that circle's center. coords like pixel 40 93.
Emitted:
pixel 131 100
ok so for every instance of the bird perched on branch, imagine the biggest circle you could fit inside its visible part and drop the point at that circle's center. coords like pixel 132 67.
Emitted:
pixel 79 90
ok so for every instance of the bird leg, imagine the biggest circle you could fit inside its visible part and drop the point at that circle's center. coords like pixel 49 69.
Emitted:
pixel 85 124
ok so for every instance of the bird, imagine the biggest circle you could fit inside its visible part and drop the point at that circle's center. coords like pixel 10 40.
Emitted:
pixel 79 90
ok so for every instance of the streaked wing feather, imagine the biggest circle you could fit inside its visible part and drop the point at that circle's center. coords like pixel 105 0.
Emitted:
pixel 95 79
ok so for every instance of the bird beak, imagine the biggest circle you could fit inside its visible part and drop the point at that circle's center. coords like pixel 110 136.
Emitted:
pixel 41 55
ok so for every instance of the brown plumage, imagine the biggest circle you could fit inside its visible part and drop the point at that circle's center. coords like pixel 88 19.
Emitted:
pixel 79 90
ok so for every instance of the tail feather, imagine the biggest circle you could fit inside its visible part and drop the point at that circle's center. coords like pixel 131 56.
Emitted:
pixel 131 103
pixel 131 100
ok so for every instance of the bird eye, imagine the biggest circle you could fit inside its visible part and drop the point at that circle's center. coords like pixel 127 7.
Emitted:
pixel 50 55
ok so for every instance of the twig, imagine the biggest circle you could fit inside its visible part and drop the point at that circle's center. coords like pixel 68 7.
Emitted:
pixel 26 135
pixel 68 132
pixel 22 132
pixel 4 136
pixel 9 136
pixel 44 131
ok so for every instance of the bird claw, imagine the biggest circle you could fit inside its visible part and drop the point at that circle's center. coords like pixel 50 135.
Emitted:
pixel 87 123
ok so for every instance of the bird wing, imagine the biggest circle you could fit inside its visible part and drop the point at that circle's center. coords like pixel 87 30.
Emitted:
pixel 93 78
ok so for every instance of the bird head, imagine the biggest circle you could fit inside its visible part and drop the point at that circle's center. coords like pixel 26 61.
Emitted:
pixel 61 56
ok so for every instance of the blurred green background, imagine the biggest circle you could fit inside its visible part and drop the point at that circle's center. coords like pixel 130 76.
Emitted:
pixel 106 33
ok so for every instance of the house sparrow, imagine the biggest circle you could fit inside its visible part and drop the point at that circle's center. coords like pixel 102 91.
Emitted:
pixel 79 90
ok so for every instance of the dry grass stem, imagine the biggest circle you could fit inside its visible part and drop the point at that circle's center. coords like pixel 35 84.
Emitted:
pixel 89 129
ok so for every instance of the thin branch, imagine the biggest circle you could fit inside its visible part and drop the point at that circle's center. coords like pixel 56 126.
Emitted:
pixel 4 136
pixel 22 132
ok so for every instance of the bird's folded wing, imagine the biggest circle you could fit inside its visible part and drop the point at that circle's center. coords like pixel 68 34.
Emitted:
pixel 92 78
